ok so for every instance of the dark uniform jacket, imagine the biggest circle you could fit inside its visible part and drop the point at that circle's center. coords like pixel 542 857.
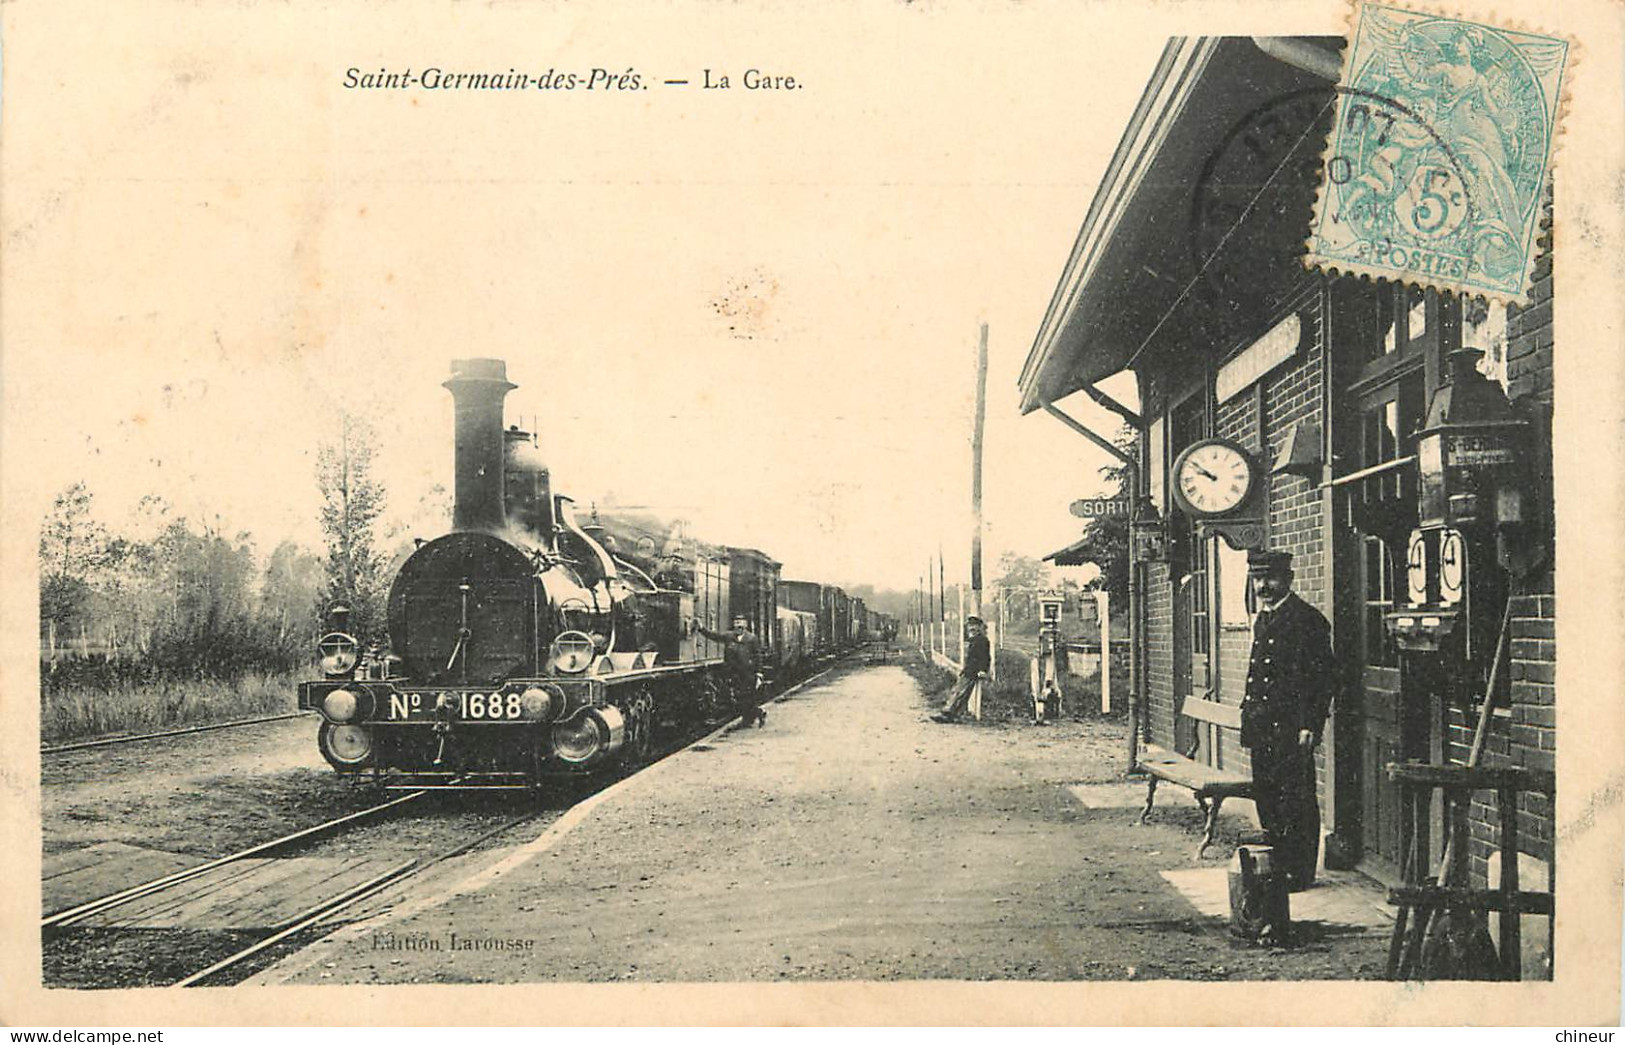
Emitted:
pixel 741 652
pixel 978 658
pixel 1291 677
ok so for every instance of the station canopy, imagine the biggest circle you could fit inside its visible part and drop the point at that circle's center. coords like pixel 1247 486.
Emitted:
pixel 1201 216
pixel 1073 554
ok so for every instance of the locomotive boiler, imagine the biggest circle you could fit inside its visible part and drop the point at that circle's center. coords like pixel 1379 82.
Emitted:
pixel 519 646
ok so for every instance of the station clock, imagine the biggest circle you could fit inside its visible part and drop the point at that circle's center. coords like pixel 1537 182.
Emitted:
pixel 1213 478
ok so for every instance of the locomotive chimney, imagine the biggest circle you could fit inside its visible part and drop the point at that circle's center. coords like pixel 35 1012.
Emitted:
pixel 478 387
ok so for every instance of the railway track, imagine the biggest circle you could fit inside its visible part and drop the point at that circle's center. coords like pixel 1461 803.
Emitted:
pixel 327 908
pixel 261 865
pixel 82 745
pixel 171 896
pixel 70 916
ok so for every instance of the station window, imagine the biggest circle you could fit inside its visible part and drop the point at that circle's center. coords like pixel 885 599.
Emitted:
pixel 1386 430
pixel 1379 599
pixel 1416 312
pixel 1187 423
pixel 1235 608
pixel 1484 327
pixel 1201 610
pixel 1402 322
pixel 1390 324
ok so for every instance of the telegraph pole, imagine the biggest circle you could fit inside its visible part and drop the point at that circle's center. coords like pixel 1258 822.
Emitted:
pixel 976 474
pixel 919 610
pixel 930 600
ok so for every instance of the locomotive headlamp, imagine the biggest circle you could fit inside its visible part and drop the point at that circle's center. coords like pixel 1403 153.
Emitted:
pixel 589 736
pixel 537 704
pixel 343 705
pixel 345 746
pixel 338 652
pixel 571 653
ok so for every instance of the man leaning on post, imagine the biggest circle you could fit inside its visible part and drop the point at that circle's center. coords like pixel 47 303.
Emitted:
pixel 1290 680
pixel 978 658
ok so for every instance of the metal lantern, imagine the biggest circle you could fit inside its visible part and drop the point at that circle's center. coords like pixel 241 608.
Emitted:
pixel 1470 450
pixel 1148 533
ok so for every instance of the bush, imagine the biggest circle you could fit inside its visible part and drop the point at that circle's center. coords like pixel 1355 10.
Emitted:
pixel 1010 698
pixel 72 710
pixel 933 680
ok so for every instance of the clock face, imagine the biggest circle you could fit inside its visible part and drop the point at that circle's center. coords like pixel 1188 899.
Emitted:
pixel 1213 477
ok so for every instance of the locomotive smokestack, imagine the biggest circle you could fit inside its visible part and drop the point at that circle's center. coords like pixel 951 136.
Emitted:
pixel 478 387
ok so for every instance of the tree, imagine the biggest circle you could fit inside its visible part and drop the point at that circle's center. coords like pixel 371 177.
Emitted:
pixel 1020 579
pixel 73 551
pixel 352 500
pixel 290 600
pixel 1106 538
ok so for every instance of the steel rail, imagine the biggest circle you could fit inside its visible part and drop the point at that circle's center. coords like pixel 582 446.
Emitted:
pixel 73 915
pixel 57 749
pixel 305 919
pixel 325 909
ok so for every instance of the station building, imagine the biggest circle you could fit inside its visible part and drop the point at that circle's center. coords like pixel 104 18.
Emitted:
pixel 1188 272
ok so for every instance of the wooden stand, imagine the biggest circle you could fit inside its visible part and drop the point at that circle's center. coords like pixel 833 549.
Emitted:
pixel 1420 901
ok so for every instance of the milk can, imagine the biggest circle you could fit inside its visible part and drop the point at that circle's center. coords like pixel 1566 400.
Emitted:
pixel 1259 905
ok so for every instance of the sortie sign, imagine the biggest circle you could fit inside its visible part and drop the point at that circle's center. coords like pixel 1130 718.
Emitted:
pixel 1101 508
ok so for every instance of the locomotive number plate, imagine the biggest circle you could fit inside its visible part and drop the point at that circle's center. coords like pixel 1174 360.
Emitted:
pixel 473 707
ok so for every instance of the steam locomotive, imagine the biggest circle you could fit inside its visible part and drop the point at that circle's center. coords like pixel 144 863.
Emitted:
pixel 525 644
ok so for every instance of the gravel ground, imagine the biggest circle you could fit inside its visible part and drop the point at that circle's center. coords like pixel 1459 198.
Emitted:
pixel 202 794
pixel 206 795
pixel 850 839
pixel 209 794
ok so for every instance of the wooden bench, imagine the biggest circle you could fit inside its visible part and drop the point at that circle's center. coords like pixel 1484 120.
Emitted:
pixel 1211 786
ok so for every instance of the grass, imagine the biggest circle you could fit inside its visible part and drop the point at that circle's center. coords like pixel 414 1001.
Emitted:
pixel 1010 696
pixel 75 712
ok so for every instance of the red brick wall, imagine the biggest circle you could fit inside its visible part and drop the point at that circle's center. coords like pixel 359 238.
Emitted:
pixel 1296 396
pixel 1524 734
pixel 1159 649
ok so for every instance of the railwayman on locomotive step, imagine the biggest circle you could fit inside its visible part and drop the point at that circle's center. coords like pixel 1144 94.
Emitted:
pixel 978 659
pixel 1290 681
pixel 742 663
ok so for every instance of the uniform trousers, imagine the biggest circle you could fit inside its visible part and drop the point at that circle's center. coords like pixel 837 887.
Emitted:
pixel 961 696
pixel 746 704
pixel 1284 789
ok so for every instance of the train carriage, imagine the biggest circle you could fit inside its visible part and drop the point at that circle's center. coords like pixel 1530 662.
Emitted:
pixel 806 598
pixel 837 617
pixel 753 593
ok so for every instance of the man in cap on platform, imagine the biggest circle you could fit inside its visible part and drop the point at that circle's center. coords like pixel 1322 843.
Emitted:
pixel 1290 682
pixel 742 666
pixel 978 659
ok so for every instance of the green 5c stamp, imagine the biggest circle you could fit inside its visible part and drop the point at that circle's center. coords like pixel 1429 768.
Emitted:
pixel 1436 162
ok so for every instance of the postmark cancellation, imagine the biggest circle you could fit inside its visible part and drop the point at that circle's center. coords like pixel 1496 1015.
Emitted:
pixel 1436 163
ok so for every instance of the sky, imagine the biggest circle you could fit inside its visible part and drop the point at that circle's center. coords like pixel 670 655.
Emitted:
pixel 755 310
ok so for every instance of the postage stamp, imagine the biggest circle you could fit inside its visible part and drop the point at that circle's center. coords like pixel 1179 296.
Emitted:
pixel 1437 160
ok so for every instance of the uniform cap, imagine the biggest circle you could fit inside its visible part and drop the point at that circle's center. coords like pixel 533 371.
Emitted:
pixel 1264 560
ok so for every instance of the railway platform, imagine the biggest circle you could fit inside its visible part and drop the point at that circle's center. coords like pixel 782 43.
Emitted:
pixel 851 839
